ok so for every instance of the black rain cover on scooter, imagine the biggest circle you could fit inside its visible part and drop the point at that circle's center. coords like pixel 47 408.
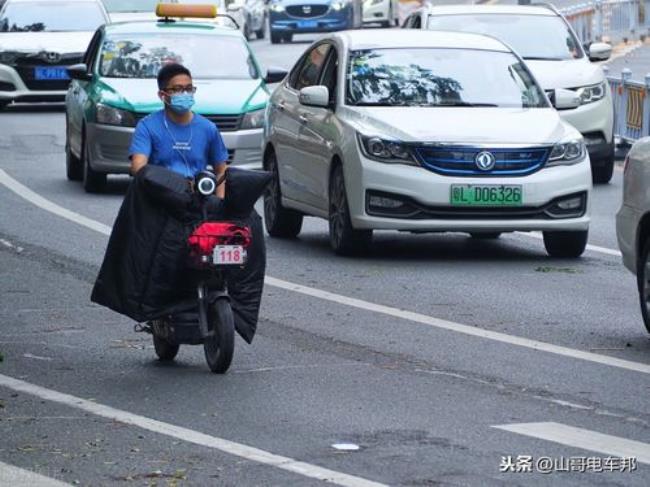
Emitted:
pixel 145 264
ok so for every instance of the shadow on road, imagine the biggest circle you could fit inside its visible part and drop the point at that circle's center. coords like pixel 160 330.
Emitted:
pixel 35 108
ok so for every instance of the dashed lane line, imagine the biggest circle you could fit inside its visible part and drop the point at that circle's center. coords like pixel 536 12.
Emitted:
pixel 582 438
pixel 18 477
pixel 191 436
pixel 401 314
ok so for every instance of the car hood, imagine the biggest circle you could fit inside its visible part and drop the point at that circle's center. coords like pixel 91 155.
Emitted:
pixel 566 74
pixel 222 97
pixel 60 42
pixel 460 125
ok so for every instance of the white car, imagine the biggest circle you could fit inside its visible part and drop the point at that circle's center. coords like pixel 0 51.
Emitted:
pixel 423 131
pixel 553 53
pixel 386 12
pixel 133 10
pixel 38 39
pixel 633 221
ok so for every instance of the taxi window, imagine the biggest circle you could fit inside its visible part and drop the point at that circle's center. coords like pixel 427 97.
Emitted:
pixel 51 16
pixel 207 57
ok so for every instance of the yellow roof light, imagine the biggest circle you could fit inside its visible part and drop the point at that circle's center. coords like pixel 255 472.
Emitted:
pixel 197 11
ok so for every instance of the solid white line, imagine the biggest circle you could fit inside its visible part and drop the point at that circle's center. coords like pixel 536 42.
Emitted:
pixel 47 205
pixel 188 435
pixel 593 248
pixel 18 477
pixel 582 438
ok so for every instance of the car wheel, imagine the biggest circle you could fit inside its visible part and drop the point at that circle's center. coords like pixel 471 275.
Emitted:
pixel 288 37
pixel 279 221
pixel 93 181
pixel 344 239
pixel 4 104
pixel 602 171
pixel 643 280
pixel 569 244
pixel 485 236
pixel 276 38
pixel 73 167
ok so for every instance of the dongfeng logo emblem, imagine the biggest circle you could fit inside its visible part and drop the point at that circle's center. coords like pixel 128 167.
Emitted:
pixel 485 161
pixel 306 9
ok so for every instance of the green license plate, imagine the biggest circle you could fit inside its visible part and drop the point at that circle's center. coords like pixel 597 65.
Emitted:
pixel 486 195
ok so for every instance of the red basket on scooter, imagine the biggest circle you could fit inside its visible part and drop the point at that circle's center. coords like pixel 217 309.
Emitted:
pixel 207 236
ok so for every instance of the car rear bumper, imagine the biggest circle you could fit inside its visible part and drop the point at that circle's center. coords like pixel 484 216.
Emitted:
pixel 14 89
pixel 109 147
pixel 429 195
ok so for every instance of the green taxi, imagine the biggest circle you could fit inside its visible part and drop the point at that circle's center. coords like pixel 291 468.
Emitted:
pixel 116 86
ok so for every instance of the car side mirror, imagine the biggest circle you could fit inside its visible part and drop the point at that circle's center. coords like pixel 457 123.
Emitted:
pixel 79 72
pixel 315 96
pixel 235 6
pixel 599 51
pixel 275 75
pixel 565 99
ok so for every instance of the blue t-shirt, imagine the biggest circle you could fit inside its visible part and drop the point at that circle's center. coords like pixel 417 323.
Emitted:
pixel 185 149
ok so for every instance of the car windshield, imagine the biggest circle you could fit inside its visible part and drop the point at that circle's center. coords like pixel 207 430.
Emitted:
pixel 543 37
pixel 131 5
pixel 440 77
pixel 51 16
pixel 141 56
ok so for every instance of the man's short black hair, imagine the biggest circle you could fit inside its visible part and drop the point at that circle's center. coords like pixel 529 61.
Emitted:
pixel 168 71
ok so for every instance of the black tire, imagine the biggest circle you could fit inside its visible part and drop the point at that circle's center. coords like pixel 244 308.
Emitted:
pixel 567 244
pixel 219 348
pixel 4 104
pixel 73 168
pixel 93 181
pixel 485 236
pixel 344 239
pixel 165 351
pixel 279 221
pixel 602 173
pixel 287 37
pixel 643 281
pixel 276 38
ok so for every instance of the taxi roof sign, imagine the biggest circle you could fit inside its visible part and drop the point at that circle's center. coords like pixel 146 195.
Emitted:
pixel 196 11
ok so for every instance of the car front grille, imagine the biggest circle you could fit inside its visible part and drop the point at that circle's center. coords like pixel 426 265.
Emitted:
pixel 225 123
pixel 307 11
pixel 461 161
pixel 26 65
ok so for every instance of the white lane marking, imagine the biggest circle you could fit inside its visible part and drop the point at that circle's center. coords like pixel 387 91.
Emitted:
pixel 582 438
pixel 18 477
pixel 593 248
pixel 36 199
pixel 47 205
pixel 460 328
pixel 191 436
pixel 37 357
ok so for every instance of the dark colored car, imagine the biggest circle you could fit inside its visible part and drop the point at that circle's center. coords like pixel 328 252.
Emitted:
pixel 289 17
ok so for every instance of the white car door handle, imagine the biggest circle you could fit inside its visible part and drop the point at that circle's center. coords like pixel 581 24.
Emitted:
pixel 281 105
pixel 303 118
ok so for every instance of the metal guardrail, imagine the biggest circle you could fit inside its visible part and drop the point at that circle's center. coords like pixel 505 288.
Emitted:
pixel 613 20
pixel 631 106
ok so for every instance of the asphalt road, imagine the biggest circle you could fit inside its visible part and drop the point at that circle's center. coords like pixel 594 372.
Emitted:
pixel 435 355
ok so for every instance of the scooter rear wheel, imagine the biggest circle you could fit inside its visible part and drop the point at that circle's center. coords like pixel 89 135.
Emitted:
pixel 220 347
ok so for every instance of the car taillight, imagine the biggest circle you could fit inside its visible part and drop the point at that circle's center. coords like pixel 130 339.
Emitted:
pixel 210 234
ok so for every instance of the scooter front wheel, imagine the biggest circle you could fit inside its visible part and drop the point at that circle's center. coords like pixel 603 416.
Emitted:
pixel 219 348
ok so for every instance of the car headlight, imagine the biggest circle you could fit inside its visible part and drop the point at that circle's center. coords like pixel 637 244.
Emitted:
pixel 277 7
pixel 115 116
pixel 8 57
pixel 339 5
pixel 590 94
pixel 567 153
pixel 253 120
pixel 383 150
